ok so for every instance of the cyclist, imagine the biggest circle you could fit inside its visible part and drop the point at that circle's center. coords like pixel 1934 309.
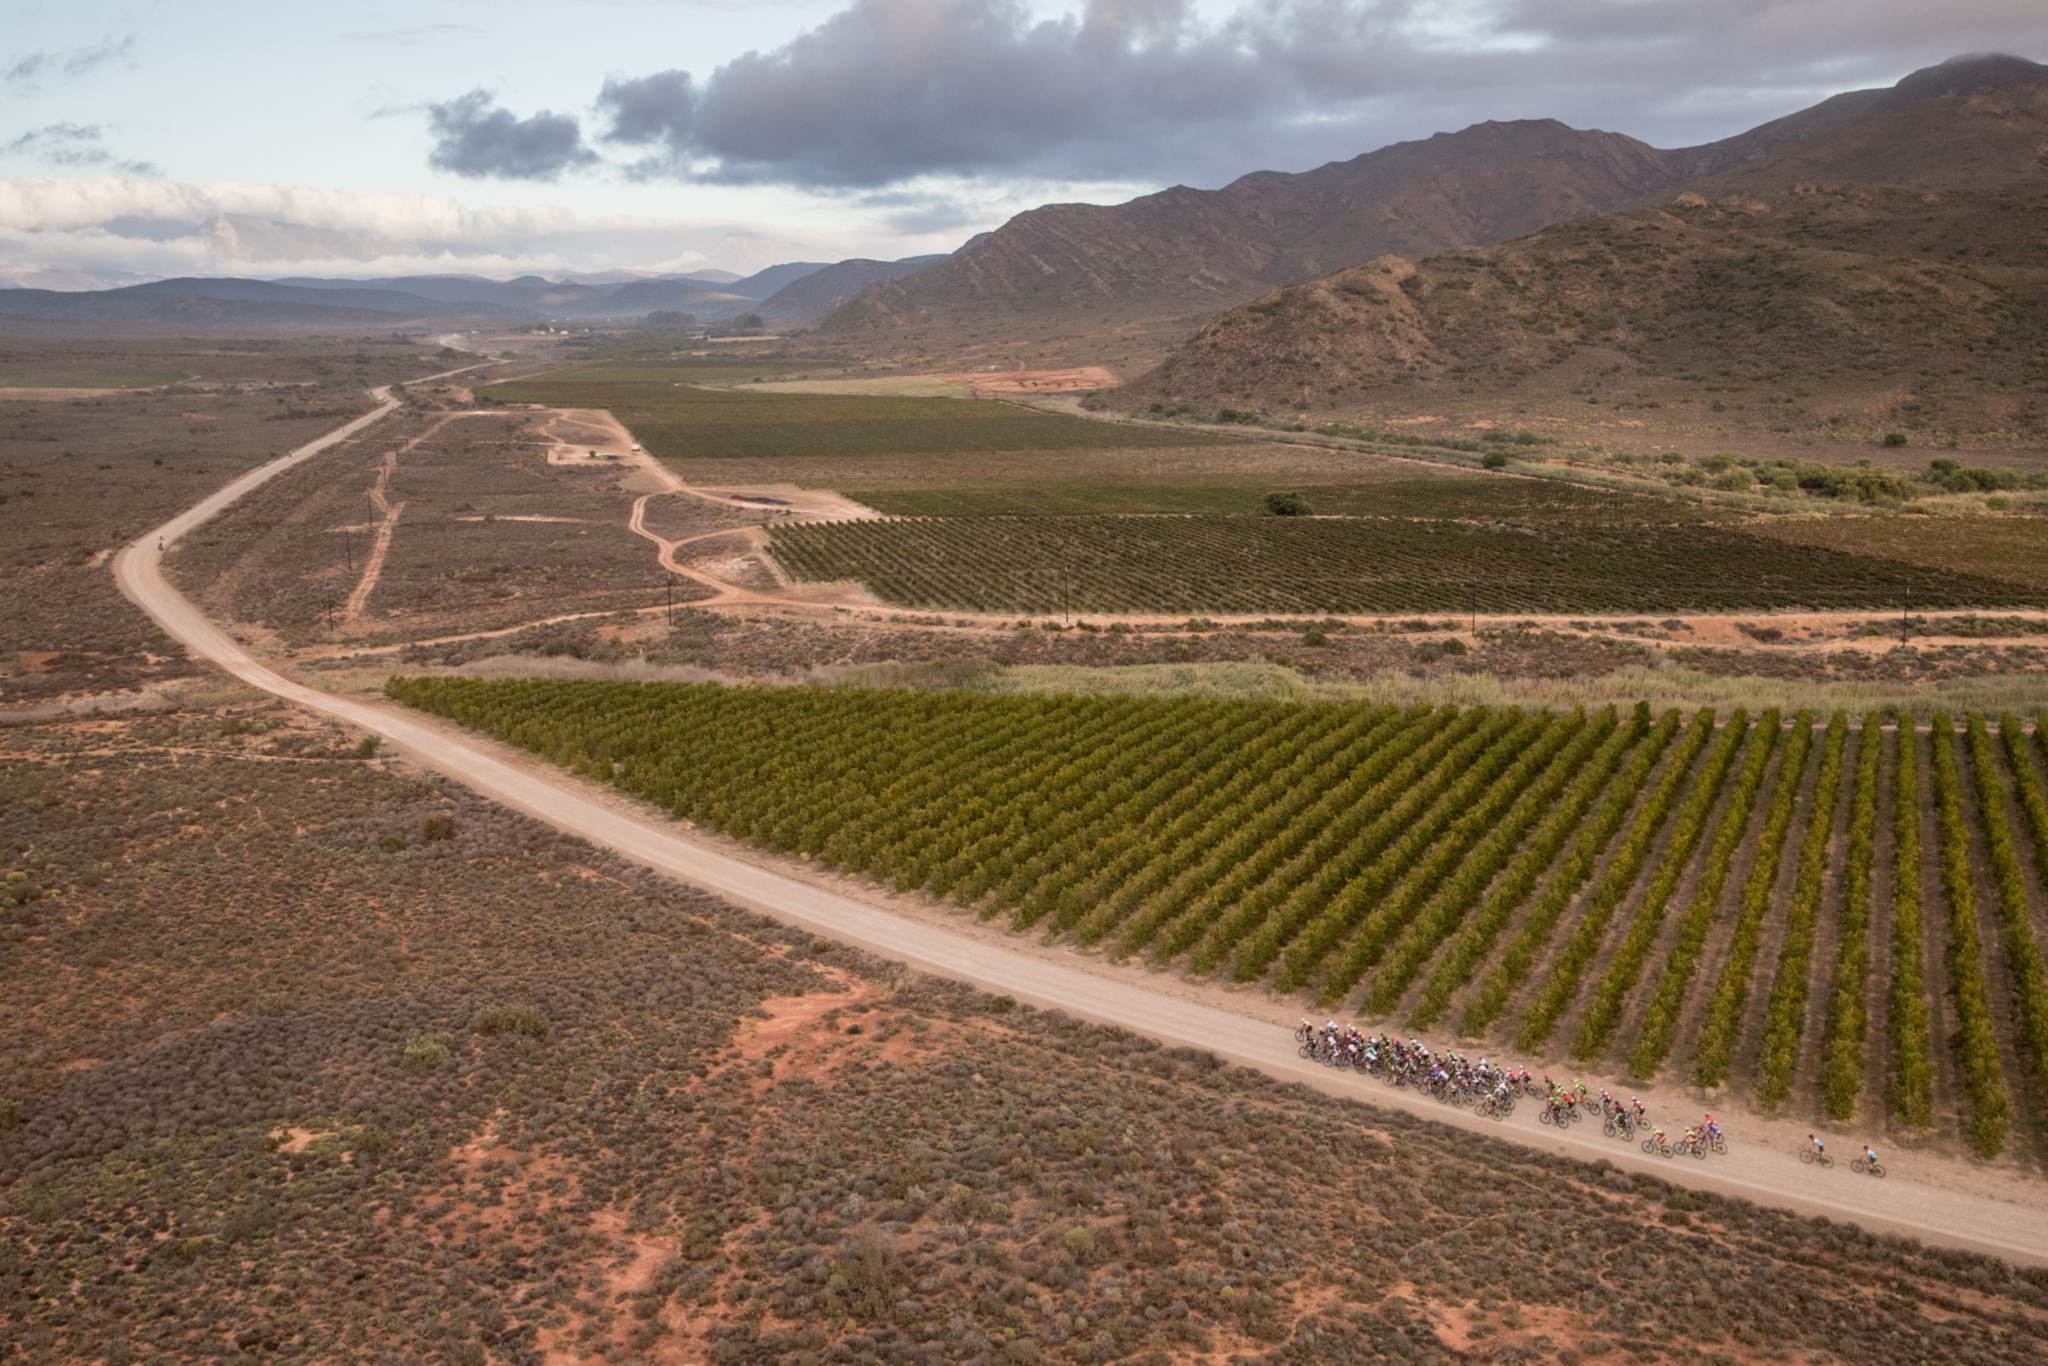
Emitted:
pixel 1869 1156
pixel 1657 1141
pixel 1820 1149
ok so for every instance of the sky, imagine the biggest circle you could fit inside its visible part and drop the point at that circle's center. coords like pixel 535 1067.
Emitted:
pixel 559 135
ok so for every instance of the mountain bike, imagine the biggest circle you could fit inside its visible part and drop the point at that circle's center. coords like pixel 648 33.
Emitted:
pixel 1807 1154
pixel 1866 1166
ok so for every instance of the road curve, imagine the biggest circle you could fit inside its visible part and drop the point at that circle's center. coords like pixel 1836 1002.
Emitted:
pixel 2016 1232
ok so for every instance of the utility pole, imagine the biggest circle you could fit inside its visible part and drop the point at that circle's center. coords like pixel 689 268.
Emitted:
pixel 330 616
pixel 668 587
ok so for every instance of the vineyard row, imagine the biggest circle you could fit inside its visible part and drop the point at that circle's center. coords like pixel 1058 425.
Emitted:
pixel 1782 903
pixel 1357 565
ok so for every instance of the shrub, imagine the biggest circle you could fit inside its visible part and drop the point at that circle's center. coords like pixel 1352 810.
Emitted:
pixel 424 1052
pixel 1894 438
pixel 1494 460
pixel 1287 505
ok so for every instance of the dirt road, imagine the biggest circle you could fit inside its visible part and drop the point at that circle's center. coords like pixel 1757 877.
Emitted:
pixel 2016 1228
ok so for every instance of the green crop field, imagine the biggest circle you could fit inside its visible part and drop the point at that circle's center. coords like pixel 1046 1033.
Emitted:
pixel 1772 902
pixel 1381 489
pixel 1293 564
pixel 679 421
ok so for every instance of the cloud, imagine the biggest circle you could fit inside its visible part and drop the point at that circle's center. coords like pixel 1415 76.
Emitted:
pixel 110 227
pixel 74 144
pixel 652 111
pixel 477 139
pixel 883 92
pixel 77 61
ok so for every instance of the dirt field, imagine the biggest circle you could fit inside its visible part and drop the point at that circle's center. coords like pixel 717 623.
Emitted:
pixel 994 381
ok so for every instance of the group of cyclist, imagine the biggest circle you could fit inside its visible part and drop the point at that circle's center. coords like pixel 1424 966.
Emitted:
pixel 1451 1077
pixel 1492 1090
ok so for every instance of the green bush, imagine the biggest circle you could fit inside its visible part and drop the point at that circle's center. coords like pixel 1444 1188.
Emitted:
pixel 424 1052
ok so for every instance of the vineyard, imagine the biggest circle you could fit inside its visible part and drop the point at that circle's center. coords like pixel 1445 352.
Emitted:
pixel 675 417
pixel 1388 489
pixel 1792 905
pixel 1358 565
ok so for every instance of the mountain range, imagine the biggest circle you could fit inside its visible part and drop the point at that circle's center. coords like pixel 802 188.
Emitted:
pixel 1184 253
pixel 1886 245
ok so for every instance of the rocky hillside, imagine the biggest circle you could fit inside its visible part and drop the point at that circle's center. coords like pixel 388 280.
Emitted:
pixel 1897 249
pixel 1971 123
pixel 1184 250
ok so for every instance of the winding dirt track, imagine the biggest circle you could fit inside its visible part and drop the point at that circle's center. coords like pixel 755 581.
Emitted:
pixel 2004 1228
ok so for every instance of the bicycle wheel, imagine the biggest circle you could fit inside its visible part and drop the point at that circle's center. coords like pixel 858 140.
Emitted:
pixel 1649 1145
pixel 1807 1155
pixel 1721 1146
pixel 1877 1170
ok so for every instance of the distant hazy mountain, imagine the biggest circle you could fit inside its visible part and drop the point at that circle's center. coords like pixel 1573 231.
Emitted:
pixel 818 292
pixel 527 293
pixel 763 284
pixel 125 309
pixel 372 298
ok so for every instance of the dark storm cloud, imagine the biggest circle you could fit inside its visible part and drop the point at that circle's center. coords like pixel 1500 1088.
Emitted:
pixel 884 92
pixel 474 137
pixel 74 144
pixel 37 66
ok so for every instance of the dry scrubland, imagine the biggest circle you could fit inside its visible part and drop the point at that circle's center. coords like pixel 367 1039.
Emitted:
pixel 370 1067
pixel 1791 904
pixel 487 534
pixel 80 476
